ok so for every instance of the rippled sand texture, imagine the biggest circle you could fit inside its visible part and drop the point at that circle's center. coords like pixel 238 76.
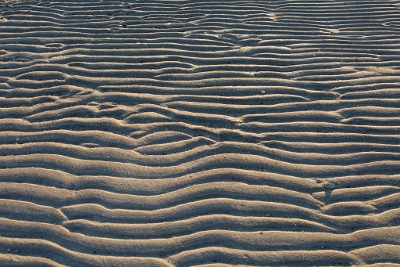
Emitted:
pixel 213 133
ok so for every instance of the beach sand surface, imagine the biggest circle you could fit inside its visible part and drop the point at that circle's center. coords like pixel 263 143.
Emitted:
pixel 200 133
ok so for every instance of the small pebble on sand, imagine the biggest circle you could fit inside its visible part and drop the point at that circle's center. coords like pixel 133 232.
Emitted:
pixel 329 186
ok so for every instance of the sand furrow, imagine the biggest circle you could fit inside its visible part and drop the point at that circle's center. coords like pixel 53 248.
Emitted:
pixel 192 193
pixel 94 152
pixel 149 186
pixel 253 241
pixel 223 160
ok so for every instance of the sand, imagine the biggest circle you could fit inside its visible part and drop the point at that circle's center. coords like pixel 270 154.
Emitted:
pixel 200 133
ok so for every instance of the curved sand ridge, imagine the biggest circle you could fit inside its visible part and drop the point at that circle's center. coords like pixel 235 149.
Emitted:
pixel 199 133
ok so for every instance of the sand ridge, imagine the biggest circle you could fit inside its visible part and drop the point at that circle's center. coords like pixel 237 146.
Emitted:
pixel 199 133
